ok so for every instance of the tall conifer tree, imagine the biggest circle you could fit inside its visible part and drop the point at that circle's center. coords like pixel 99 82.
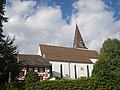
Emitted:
pixel 8 52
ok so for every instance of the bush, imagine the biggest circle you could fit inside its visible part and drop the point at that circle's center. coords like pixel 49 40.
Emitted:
pixel 106 71
pixel 30 80
pixel 78 84
pixel 13 86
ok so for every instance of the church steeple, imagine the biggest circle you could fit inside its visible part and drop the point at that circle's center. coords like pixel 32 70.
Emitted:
pixel 78 40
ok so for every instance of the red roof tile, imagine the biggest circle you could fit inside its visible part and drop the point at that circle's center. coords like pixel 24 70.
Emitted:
pixel 56 53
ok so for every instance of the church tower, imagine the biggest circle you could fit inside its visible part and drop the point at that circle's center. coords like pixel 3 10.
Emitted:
pixel 78 40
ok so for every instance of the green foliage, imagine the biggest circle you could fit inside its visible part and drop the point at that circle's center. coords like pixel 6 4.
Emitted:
pixel 8 60
pixel 10 86
pixel 110 49
pixel 30 80
pixel 107 70
pixel 78 84
pixel 8 53
pixel 13 86
pixel 2 18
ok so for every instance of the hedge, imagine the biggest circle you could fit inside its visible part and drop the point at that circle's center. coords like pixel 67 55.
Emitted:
pixel 78 84
pixel 13 86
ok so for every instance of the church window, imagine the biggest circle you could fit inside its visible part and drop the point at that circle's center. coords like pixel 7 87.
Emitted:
pixel 87 70
pixel 61 73
pixel 75 71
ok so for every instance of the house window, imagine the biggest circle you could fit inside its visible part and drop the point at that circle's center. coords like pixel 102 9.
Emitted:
pixel 41 69
pixel 75 71
pixel 61 73
pixel 87 70
pixel 31 69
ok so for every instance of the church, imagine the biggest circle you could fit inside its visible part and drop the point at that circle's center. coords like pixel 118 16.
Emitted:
pixel 63 62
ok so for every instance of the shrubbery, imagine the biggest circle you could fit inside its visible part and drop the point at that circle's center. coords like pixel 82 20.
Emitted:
pixel 30 81
pixel 107 69
pixel 13 86
pixel 78 84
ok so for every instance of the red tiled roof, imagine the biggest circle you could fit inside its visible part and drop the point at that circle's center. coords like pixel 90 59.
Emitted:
pixel 32 60
pixel 56 53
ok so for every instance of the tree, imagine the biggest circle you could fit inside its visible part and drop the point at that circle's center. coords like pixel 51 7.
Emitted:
pixel 2 18
pixel 30 81
pixel 8 52
pixel 107 70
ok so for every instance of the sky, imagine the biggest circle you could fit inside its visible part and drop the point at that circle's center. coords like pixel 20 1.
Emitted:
pixel 53 22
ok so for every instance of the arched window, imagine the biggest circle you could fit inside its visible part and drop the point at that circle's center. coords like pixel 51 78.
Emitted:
pixel 88 71
pixel 61 73
pixel 75 71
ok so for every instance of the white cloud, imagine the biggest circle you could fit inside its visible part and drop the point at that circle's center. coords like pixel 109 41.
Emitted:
pixel 44 24
pixel 96 23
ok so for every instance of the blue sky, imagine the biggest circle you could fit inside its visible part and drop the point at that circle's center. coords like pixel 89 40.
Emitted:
pixel 67 9
pixel 65 5
pixel 53 22
pixel 113 5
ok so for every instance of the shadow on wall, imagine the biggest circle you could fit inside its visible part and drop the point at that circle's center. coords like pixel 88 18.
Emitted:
pixel 57 74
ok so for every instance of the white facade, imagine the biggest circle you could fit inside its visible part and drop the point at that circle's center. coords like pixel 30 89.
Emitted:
pixel 68 69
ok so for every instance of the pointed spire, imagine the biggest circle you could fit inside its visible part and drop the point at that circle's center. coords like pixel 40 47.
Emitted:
pixel 78 41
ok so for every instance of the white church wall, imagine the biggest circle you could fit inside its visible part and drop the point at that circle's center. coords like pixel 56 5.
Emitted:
pixel 56 69
pixel 81 70
pixel 72 71
pixel 93 60
pixel 90 68
pixel 68 69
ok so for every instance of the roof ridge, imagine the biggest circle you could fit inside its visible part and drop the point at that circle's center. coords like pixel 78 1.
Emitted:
pixel 67 47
